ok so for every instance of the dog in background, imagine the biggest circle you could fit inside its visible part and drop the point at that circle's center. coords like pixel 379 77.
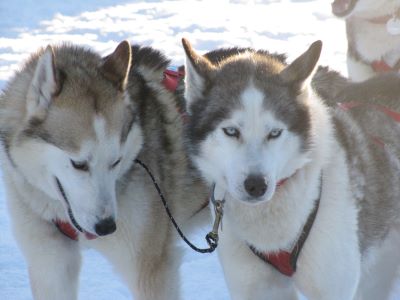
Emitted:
pixel 373 34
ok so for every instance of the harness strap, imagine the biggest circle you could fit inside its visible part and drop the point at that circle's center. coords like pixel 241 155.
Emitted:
pixel 394 115
pixel 286 262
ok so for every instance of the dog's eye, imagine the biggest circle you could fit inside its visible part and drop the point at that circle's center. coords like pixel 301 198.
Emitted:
pixel 80 165
pixel 231 132
pixel 116 163
pixel 274 133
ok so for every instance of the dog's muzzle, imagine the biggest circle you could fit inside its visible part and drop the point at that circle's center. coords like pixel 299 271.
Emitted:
pixel 255 185
pixel 105 226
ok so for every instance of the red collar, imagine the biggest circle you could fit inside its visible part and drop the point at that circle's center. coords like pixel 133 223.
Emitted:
pixel 286 262
pixel 380 66
pixel 283 181
pixel 69 231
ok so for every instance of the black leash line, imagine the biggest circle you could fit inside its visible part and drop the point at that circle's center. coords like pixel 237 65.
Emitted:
pixel 211 237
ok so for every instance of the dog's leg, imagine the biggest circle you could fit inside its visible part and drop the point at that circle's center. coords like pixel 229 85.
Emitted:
pixel 158 273
pixel 53 260
pixel 247 276
pixel 358 71
pixel 331 270
pixel 141 251
pixel 329 264
pixel 378 276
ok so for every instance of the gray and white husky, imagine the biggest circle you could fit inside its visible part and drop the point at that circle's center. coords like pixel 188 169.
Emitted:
pixel 373 34
pixel 72 123
pixel 311 189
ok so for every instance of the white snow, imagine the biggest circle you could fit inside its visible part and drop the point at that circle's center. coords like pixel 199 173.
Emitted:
pixel 288 26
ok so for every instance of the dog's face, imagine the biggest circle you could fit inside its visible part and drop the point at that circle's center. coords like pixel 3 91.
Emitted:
pixel 80 134
pixel 364 8
pixel 249 125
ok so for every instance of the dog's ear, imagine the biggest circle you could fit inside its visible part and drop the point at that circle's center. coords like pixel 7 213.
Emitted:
pixel 198 70
pixel 116 66
pixel 300 70
pixel 44 85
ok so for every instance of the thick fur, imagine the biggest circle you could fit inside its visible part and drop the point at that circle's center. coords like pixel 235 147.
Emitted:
pixel 72 124
pixel 368 39
pixel 352 249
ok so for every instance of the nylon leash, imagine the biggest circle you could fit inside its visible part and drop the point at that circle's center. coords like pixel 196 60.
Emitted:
pixel 211 237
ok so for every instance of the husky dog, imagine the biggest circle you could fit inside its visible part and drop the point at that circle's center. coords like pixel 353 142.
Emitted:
pixel 373 34
pixel 311 190
pixel 72 124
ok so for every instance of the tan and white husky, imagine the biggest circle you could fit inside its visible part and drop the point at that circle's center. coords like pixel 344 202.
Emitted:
pixel 72 124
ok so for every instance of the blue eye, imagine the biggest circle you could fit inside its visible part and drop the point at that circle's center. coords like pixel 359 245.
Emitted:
pixel 274 133
pixel 81 165
pixel 231 132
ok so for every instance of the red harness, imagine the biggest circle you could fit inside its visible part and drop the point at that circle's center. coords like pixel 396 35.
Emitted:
pixel 172 76
pixel 283 261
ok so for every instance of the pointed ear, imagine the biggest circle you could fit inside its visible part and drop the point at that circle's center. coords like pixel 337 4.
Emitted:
pixel 300 70
pixel 116 66
pixel 198 70
pixel 44 85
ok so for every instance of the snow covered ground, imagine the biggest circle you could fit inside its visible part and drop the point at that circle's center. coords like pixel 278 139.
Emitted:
pixel 285 26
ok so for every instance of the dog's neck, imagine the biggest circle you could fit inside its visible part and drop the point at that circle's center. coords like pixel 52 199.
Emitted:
pixel 382 20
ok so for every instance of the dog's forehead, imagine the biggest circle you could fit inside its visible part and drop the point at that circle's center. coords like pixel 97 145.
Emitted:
pixel 252 112
pixel 88 93
pixel 236 73
pixel 240 67
pixel 102 143
pixel 252 83
pixel 252 77
pixel 74 118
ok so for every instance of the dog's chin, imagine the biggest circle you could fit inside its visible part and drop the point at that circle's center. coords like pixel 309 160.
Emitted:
pixel 252 201
pixel 256 201
pixel 79 227
pixel 343 8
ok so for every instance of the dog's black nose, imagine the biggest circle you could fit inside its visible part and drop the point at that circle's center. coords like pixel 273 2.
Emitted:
pixel 105 226
pixel 255 185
